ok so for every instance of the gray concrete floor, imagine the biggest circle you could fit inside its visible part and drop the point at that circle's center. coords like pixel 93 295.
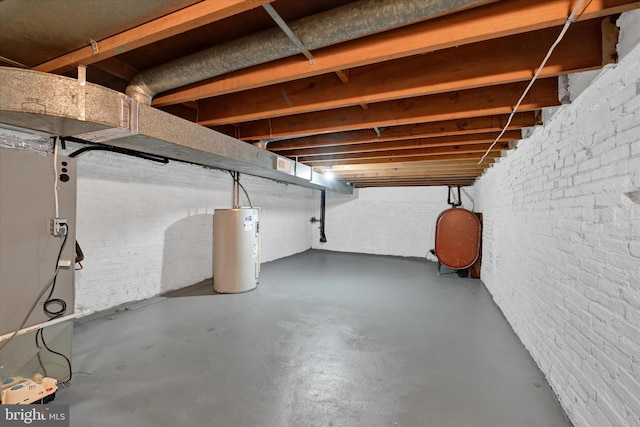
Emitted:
pixel 327 339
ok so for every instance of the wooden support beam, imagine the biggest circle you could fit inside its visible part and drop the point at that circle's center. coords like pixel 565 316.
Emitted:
pixel 404 154
pixel 117 68
pixel 500 19
pixel 402 173
pixel 190 17
pixel 420 182
pixel 414 131
pixel 343 75
pixel 316 162
pixel 512 59
pixel 409 144
pixel 405 165
pixel 446 106
pixel 384 178
pixel 453 177
pixel 459 127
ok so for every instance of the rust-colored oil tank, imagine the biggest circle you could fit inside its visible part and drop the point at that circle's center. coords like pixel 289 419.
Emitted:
pixel 458 234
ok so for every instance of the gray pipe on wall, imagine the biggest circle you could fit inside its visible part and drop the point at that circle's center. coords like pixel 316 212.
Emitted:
pixel 323 201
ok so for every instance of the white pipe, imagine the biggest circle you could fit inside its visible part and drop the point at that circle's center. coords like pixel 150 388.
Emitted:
pixel 39 326
pixel 55 177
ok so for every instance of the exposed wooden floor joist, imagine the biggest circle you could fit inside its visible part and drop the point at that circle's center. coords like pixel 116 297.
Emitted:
pixel 454 141
pixel 454 105
pixel 449 70
pixel 417 104
pixel 167 26
pixel 500 19
pixel 414 131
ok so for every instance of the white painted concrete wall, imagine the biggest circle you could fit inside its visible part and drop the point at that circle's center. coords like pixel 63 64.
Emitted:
pixel 385 221
pixel 147 228
pixel 561 250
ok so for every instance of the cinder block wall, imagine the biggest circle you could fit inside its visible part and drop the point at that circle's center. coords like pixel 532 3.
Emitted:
pixel 384 221
pixel 561 250
pixel 147 228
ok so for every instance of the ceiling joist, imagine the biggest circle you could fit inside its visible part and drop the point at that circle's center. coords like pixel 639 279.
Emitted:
pixel 418 104
pixel 186 19
pixel 409 144
pixel 414 131
pixel 512 59
pixel 454 105
pixel 418 182
pixel 455 157
pixel 405 165
pixel 413 153
pixel 500 19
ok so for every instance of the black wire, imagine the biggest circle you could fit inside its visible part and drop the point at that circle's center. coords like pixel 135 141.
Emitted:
pixel 63 304
pixel 57 313
pixel 94 146
pixel 44 369
pixel 44 343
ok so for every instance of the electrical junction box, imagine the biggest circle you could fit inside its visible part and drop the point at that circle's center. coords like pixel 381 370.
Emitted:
pixel 58 227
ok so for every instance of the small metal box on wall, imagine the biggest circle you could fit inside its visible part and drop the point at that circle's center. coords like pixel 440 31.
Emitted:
pixel 236 249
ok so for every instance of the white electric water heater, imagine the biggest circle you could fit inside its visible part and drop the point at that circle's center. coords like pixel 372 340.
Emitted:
pixel 236 249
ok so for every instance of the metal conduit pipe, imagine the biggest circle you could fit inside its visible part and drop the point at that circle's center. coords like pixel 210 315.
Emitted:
pixel 323 208
pixel 358 19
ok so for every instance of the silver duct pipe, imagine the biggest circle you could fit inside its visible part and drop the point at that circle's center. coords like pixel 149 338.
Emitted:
pixel 362 18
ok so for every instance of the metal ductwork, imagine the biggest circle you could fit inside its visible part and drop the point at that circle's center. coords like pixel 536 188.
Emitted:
pixel 338 25
pixel 67 107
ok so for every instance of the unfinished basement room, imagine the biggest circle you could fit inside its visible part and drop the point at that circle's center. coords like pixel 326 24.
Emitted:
pixel 320 213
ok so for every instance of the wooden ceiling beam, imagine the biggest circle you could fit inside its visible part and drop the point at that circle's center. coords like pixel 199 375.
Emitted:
pixel 117 68
pixel 413 131
pixel 422 182
pixel 446 106
pixel 402 173
pixel 406 165
pixel 383 178
pixel 500 19
pixel 404 154
pixel 316 162
pixel 188 18
pixel 512 59
pixel 444 141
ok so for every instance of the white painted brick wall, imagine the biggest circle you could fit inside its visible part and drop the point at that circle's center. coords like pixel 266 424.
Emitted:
pixel 561 246
pixel 385 221
pixel 147 228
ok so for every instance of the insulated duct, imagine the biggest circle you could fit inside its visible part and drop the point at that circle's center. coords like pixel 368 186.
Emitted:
pixel 358 19
pixel 58 105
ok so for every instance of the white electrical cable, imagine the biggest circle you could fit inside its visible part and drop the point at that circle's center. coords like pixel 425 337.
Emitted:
pixel 567 23
pixel 55 175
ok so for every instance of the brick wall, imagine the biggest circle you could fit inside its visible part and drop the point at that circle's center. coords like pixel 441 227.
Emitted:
pixel 384 221
pixel 147 228
pixel 561 250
